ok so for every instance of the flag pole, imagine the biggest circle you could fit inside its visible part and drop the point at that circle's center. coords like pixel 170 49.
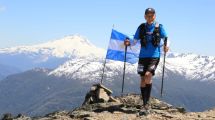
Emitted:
pixel 104 65
pixel 123 79
pixel 164 60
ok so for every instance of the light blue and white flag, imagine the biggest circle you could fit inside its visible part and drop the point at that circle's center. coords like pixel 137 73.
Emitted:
pixel 116 49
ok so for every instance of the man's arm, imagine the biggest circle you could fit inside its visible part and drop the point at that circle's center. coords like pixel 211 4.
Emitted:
pixel 164 38
pixel 133 43
pixel 135 40
pixel 166 47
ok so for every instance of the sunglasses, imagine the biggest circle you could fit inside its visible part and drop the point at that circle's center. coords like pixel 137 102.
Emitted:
pixel 149 16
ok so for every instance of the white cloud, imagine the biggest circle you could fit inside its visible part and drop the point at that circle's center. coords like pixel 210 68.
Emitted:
pixel 2 8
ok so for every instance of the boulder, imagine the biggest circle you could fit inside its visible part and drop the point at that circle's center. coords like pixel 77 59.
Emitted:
pixel 102 95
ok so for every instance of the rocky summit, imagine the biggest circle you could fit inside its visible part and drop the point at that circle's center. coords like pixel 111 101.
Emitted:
pixel 100 105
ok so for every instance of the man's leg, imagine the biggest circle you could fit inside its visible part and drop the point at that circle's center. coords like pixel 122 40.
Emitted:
pixel 145 86
pixel 148 85
pixel 142 82
pixel 148 75
pixel 143 89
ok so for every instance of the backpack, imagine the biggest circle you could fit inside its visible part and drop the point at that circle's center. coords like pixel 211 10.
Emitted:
pixel 156 35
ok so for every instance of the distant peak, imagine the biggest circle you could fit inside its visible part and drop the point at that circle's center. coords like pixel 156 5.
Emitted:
pixel 67 46
pixel 67 40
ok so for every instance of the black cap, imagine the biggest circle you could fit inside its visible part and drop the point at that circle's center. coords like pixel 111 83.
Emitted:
pixel 127 38
pixel 150 10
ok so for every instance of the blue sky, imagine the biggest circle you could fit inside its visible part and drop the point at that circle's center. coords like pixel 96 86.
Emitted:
pixel 189 23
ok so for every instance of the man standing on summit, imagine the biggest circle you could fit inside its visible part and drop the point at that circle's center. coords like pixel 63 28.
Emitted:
pixel 150 35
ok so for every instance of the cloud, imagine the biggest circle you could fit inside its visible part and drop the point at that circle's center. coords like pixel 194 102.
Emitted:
pixel 2 8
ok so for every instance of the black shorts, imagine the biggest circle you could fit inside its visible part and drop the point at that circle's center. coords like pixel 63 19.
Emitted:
pixel 147 64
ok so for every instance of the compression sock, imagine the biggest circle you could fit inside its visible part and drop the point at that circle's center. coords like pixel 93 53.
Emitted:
pixel 144 95
pixel 148 91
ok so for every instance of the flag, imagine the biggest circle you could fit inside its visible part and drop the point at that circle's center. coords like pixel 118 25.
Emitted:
pixel 116 48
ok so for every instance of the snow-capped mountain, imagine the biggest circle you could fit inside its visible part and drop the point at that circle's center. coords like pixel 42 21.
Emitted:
pixel 192 66
pixel 68 46
pixel 74 55
pixel 50 54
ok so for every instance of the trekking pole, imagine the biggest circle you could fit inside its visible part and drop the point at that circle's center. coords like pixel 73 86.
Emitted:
pixel 164 60
pixel 123 79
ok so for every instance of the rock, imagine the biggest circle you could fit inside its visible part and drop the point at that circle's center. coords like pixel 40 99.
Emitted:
pixel 167 115
pixel 172 110
pixel 155 101
pixel 181 109
pixel 202 116
pixel 106 89
pixel 90 118
pixel 102 95
pixel 93 88
pixel 112 99
pixel 61 113
pixel 117 112
pixel 22 117
pixel 199 116
pixel 88 98
pixel 7 116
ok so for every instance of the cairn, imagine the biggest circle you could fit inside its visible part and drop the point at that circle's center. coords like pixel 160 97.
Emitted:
pixel 99 94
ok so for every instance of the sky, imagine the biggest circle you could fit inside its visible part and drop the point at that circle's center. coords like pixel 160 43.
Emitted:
pixel 189 23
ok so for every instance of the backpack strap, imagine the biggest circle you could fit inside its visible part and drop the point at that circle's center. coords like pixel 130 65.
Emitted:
pixel 157 29
pixel 156 35
pixel 142 34
pixel 157 24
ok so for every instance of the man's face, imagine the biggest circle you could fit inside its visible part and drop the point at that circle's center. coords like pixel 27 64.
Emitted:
pixel 150 17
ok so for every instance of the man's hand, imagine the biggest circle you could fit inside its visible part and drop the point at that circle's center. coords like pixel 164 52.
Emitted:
pixel 165 49
pixel 127 42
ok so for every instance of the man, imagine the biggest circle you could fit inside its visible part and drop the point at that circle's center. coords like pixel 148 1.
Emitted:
pixel 150 35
